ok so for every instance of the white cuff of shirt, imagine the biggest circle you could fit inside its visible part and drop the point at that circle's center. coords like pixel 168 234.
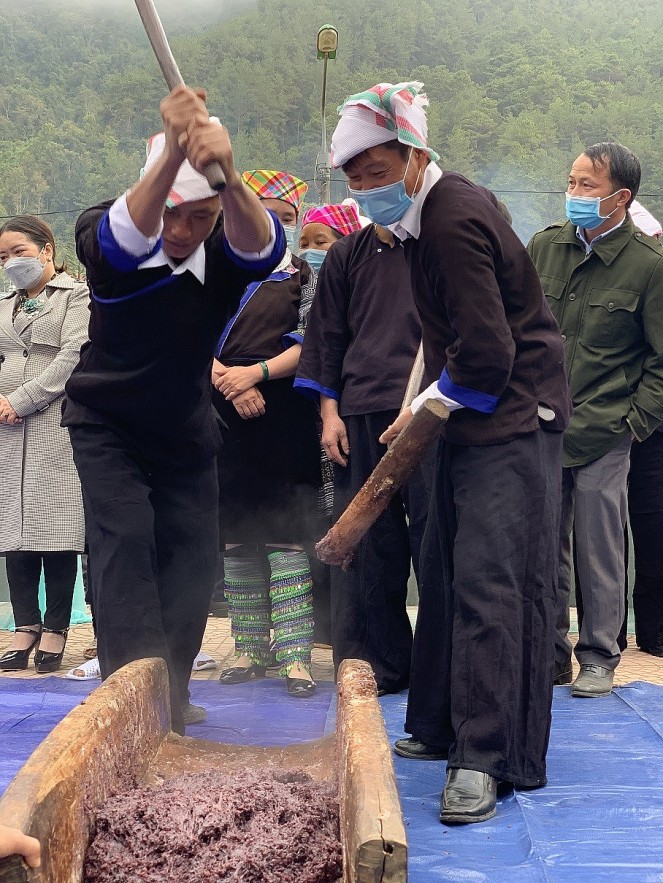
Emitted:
pixel 258 255
pixel 126 234
pixel 135 243
pixel 432 392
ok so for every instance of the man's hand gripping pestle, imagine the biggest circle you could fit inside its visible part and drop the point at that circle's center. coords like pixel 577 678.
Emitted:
pixel 338 546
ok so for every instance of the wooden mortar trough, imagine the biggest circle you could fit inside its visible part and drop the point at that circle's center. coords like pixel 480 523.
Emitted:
pixel 120 738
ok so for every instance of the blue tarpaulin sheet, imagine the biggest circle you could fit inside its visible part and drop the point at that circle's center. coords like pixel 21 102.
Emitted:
pixel 599 819
pixel 257 713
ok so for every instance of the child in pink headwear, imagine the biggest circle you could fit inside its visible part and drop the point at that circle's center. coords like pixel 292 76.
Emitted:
pixel 322 226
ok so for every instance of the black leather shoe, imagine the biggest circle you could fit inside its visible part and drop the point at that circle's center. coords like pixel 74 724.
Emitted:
pixel 653 651
pixel 17 660
pixel 387 691
pixel 219 608
pixel 562 673
pixel 241 674
pixel 45 661
pixel 300 687
pixel 468 796
pixel 193 714
pixel 415 750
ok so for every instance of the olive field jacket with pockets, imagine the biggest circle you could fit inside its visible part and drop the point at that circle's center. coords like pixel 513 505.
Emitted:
pixel 609 306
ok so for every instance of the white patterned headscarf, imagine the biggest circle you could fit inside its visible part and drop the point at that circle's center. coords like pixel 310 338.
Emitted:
pixel 189 185
pixel 644 219
pixel 380 114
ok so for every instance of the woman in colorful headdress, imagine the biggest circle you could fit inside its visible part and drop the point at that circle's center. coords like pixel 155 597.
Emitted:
pixel 269 472
pixel 322 226
pixel 281 193
pixel 361 341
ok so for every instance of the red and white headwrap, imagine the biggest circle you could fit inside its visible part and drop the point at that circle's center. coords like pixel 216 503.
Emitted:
pixel 342 218
pixel 382 113
pixel 189 185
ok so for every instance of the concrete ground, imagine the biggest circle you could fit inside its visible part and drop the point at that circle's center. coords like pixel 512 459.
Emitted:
pixel 635 665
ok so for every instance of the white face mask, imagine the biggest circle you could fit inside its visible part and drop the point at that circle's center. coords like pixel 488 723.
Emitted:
pixel 24 272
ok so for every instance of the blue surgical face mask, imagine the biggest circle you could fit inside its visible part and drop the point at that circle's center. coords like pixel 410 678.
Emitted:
pixel 313 257
pixel 290 234
pixel 385 205
pixel 585 211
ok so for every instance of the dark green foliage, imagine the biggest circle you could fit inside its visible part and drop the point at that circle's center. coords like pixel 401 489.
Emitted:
pixel 517 88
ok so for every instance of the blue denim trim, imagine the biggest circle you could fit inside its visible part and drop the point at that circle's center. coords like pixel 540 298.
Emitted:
pixel 470 398
pixel 310 388
pixel 258 266
pixel 119 259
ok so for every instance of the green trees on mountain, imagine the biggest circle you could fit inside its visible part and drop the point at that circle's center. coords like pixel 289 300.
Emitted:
pixel 517 88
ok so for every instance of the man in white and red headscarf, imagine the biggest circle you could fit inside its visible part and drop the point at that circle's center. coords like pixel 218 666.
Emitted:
pixel 482 664
pixel 164 276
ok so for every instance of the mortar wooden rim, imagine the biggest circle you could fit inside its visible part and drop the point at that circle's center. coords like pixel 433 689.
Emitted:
pixel 120 736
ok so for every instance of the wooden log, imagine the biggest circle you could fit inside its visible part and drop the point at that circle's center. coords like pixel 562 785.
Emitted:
pixel 100 748
pixel 372 830
pixel 338 545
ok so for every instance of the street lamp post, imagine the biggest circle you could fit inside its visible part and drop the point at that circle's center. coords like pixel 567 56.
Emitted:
pixel 327 45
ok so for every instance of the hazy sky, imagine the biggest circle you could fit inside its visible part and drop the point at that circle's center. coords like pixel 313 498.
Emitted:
pixel 171 11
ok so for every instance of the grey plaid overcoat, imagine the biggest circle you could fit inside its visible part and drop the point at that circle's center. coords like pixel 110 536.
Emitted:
pixel 41 508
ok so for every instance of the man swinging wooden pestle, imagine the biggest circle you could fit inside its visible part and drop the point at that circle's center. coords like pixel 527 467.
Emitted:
pixel 164 275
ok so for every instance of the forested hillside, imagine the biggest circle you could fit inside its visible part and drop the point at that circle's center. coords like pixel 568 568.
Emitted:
pixel 517 88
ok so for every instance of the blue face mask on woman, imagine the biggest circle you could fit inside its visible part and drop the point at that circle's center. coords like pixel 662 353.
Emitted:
pixel 385 205
pixel 290 231
pixel 313 257
pixel 585 211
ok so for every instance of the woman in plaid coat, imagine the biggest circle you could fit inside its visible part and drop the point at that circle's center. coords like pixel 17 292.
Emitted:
pixel 43 324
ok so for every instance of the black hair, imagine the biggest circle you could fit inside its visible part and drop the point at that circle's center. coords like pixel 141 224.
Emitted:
pixel 622 164
pixel 402 149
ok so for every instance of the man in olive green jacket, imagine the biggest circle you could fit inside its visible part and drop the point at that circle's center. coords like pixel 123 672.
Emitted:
pixel 603 279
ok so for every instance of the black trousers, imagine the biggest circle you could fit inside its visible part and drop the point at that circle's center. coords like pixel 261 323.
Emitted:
pixel 368 602
pixel 153 543
pixel 23 575
pixel 645 513
pixel 481 680
pixel 645 507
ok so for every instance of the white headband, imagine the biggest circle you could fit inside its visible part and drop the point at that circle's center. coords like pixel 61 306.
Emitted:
pixel 189 185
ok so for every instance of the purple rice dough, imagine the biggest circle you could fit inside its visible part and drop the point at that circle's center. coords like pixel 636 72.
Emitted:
pixel 253 826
